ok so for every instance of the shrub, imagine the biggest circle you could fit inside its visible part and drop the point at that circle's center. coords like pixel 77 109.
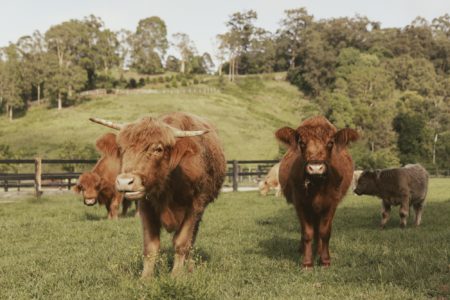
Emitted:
pixel 184 82
pixel 132 84
pixel 141 82
pixel 174 84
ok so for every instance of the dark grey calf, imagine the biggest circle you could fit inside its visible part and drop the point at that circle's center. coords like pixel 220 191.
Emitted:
pixel 401 186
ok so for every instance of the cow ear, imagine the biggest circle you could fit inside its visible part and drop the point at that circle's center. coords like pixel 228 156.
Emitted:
pixel 344 136
pixel 107 144
pixel 76 188
pixel 287 136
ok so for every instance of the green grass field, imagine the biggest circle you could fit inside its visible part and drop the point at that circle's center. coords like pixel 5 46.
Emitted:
pixel 56 248
pixel 246 113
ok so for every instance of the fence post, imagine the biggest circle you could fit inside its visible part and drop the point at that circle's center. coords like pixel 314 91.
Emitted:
pixel 235 175
pixel 69 184
pixel 6 185
pixel 38 176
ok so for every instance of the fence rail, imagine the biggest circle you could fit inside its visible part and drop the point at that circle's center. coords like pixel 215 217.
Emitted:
pixel 237 172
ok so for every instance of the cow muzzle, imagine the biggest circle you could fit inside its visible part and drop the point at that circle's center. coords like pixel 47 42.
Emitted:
pixel 130 185
pixel 316 168
pixel 90 201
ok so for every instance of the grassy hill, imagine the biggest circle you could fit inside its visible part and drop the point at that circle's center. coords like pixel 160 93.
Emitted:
pixel 246 114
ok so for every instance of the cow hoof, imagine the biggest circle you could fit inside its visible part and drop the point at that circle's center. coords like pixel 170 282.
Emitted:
pixel 307 266
pixel 325 264
pixel 402 226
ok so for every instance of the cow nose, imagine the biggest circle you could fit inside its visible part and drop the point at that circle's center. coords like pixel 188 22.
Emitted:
pixel 316 169
pixel 124 182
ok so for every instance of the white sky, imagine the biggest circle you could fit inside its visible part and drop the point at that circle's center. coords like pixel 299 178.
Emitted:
pixel 202 20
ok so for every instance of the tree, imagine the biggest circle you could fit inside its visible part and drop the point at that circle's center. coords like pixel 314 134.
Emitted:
pixel 292 31
pixel 35 61
pixel 413 137
pixel 172 64
pixel 185 48
pixel 11 80
pixel 149 45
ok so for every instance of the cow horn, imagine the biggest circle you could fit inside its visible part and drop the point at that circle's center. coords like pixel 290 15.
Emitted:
pixel 186 133
pixel 107 123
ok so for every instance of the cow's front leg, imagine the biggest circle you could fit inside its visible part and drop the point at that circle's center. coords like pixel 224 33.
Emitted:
pixel 404 211
pixel 183 241
pixel 385 213
pixel 306 242
pixel 418 208
pixel 151 229
pixel 324 235
pixel 114 207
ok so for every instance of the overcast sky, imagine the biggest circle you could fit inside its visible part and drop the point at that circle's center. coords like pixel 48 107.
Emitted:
pixel 202 20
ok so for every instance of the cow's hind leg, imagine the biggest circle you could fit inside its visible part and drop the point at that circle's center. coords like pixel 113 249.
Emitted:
pixel 418 209
pixel 385 213
pixel 151 228
pixel 182 241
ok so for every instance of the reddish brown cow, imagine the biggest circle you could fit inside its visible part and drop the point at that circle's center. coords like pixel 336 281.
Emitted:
pixel 98 185
pixel 176 166
pixel 315 174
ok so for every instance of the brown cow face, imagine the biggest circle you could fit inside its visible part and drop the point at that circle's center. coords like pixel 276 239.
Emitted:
pixel 89 185
pixel 316 144
pixel 145 148
pixel 366 184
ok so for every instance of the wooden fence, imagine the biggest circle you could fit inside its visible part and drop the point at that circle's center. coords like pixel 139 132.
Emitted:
pixel 238 171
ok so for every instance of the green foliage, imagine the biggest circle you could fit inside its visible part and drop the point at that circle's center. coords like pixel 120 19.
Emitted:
pixel 413 138
pixel 365 159
pixel 149 45
pixel 73 150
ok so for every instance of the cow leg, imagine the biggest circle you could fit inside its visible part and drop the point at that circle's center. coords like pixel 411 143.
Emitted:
pixel 278 191
pixel 151 229
pixel 385 213
pixel 182 241
pixel 125 205
pixel 137 208
pixel 404 211
pixel 191 262
pixel 306 242
pixel 418 209
pixel 325 234
pixel 114 207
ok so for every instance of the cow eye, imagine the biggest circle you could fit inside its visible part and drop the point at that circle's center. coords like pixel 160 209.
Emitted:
pixel 301 144
pixel 330 144
pixel 159 149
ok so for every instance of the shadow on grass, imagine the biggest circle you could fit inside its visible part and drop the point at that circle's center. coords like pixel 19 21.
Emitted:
pixel 93 217
pixel 164 263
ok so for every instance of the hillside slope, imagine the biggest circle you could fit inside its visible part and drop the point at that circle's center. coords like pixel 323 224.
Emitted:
pixel 246 114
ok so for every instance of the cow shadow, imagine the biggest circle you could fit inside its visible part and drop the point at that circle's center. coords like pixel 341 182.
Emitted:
pixel 93 217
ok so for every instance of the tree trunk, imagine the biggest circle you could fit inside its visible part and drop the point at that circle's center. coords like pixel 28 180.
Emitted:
pixel 10 113
pixel 39 93
pixel 230 67
pixel 183 65
pixel 59 101
pixel 69 91
pixel 220 70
